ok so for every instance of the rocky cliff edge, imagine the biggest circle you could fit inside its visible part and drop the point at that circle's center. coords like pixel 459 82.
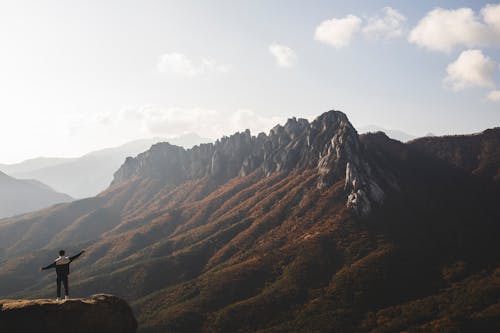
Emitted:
pixel 97 314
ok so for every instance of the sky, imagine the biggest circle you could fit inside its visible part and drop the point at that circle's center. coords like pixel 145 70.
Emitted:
pixel 77 76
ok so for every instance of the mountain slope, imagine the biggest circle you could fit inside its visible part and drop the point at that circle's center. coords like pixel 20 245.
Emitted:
pixel 92 173
pixel 310 228
pixel 21 196
pixel 475 153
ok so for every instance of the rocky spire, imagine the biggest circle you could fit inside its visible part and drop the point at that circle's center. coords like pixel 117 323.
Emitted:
pixel 329 144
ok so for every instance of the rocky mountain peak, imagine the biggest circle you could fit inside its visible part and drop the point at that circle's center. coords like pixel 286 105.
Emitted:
pixel 344 156
pixel 329 144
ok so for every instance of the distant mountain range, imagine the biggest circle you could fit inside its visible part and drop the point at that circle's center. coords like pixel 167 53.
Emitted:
pixel 21 196
pixel 92 173
pixel 310 228
pixel 392 133
pixel 33 164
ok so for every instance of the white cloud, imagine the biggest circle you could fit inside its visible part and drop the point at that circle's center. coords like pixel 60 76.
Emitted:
pixel 244 118
pixel 210 65
pixel 446 29
pixel 284 55
pixel 472 68
pixel 338 32
pixel 206 122
pixel 491 16
pixel 494 96
pixel 155 120
pixel 181 65
pixel 388 24
pixel 177 63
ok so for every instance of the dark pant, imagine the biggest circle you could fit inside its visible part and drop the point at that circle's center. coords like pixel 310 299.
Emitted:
pixel 64 280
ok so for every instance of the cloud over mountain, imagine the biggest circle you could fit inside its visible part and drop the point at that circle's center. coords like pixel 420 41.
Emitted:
pixel 136 122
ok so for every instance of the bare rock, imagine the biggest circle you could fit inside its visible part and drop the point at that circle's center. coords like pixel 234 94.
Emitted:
pixel 329 144
pixel 98 314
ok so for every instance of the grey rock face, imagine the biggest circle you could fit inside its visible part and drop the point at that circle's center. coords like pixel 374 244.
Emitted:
pixel 329 144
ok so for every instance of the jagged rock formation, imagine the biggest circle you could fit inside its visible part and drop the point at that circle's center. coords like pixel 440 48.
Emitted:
pixel 330 145
pixel 87 175
pixel 260 234
pixel 97 314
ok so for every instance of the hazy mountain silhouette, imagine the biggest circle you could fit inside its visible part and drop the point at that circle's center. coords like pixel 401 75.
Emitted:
pixel 311 228
pixel 92 173
pixel 392 133
pixel 21 196
pixel 33 164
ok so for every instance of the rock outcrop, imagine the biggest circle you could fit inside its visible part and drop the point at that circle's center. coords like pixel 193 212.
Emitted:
pixel 97 314
pixel 329 144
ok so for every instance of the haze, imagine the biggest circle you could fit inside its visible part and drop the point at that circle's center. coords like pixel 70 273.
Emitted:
pixel 78 76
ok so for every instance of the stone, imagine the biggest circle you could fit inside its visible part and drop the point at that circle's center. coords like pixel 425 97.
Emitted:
pixel 329 144
pixel 97 314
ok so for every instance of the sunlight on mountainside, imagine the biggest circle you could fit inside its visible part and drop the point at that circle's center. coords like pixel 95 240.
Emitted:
pixel 246 166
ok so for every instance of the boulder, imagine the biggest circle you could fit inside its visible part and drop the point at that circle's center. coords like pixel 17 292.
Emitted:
pixel 96 314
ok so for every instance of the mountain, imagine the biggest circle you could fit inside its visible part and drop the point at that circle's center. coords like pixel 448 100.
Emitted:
pixel 21 196
pixel 33 164
pixel 92 173
pixel 478 154
pixel 311 228
pixel 392 133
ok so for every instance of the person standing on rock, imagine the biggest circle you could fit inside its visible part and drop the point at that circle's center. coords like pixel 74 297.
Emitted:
pixel 61 264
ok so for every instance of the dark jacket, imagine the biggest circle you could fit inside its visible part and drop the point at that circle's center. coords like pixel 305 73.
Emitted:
pixel 61 264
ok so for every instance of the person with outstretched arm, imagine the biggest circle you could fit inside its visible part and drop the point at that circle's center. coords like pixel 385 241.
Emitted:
pixel 61 264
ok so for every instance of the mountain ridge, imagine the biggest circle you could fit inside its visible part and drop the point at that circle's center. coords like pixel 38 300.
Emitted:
pixel 90 173
pixel 18 196
pixel 271 249
pixel 392 133
pixel 330 140
pixel 476 153
pixel 33 164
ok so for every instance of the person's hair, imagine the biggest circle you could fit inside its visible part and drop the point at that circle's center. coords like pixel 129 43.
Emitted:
pixel 61 253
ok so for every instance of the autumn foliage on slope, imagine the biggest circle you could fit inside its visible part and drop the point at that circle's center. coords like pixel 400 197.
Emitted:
pixel 277 252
